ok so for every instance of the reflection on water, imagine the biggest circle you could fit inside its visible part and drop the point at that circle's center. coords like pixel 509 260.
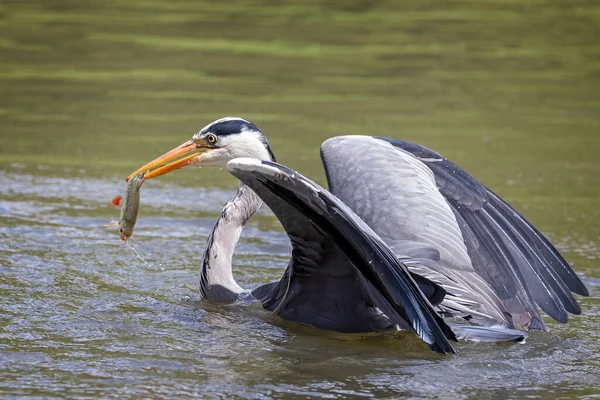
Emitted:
pixel 90 91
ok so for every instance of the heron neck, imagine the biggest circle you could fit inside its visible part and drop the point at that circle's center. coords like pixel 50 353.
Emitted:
pixel 216 277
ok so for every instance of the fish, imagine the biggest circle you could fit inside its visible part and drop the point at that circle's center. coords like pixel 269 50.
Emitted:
pixel 130 206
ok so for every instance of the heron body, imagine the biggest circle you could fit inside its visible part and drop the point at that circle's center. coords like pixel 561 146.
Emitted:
pixel 403 239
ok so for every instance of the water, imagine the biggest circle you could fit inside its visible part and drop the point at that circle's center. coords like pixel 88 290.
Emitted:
pixel 140 257
pixel 89 91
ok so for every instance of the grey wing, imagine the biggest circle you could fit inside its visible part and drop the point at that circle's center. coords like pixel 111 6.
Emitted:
pixel 487 254
pixel 329 240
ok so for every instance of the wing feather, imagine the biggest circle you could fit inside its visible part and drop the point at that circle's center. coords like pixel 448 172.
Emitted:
pixel 518 262
pixel 283 190
pixel 410 209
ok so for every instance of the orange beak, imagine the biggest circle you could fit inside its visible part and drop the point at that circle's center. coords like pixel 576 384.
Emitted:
pixel 169 161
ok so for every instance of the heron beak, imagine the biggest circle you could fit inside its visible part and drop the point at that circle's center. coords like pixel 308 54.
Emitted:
pixel 169 161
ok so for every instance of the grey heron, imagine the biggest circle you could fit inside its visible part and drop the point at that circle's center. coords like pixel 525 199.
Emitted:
pixel 402 239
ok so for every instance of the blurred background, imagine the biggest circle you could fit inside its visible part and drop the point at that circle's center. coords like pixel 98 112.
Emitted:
pixel 106 85
pixel 91 90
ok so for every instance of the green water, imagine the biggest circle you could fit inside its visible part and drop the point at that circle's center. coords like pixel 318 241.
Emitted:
pixel 89 91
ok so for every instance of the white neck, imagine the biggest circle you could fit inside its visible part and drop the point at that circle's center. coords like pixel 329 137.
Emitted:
pixel 216 277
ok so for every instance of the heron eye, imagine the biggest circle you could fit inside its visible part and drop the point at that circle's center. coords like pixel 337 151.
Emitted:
pixel 212 139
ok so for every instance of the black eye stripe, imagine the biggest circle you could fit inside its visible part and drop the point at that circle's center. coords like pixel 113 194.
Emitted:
pixel 230 127
pixel 220 129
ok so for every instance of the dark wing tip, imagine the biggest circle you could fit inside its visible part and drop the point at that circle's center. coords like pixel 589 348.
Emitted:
pixel 528 256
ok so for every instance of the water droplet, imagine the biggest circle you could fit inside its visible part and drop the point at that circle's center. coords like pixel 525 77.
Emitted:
pixel 151 265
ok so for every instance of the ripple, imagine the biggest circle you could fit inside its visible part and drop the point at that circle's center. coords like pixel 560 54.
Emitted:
pixel 80 304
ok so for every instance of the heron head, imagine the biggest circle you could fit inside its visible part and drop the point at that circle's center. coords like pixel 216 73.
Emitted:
pixel 214 145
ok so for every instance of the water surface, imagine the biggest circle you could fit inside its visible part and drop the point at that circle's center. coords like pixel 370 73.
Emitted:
pixel 89 91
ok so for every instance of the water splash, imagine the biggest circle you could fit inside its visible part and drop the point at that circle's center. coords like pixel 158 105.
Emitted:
pixel 150 264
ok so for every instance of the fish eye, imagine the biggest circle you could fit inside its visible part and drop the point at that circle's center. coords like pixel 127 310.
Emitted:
pixel 212 139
